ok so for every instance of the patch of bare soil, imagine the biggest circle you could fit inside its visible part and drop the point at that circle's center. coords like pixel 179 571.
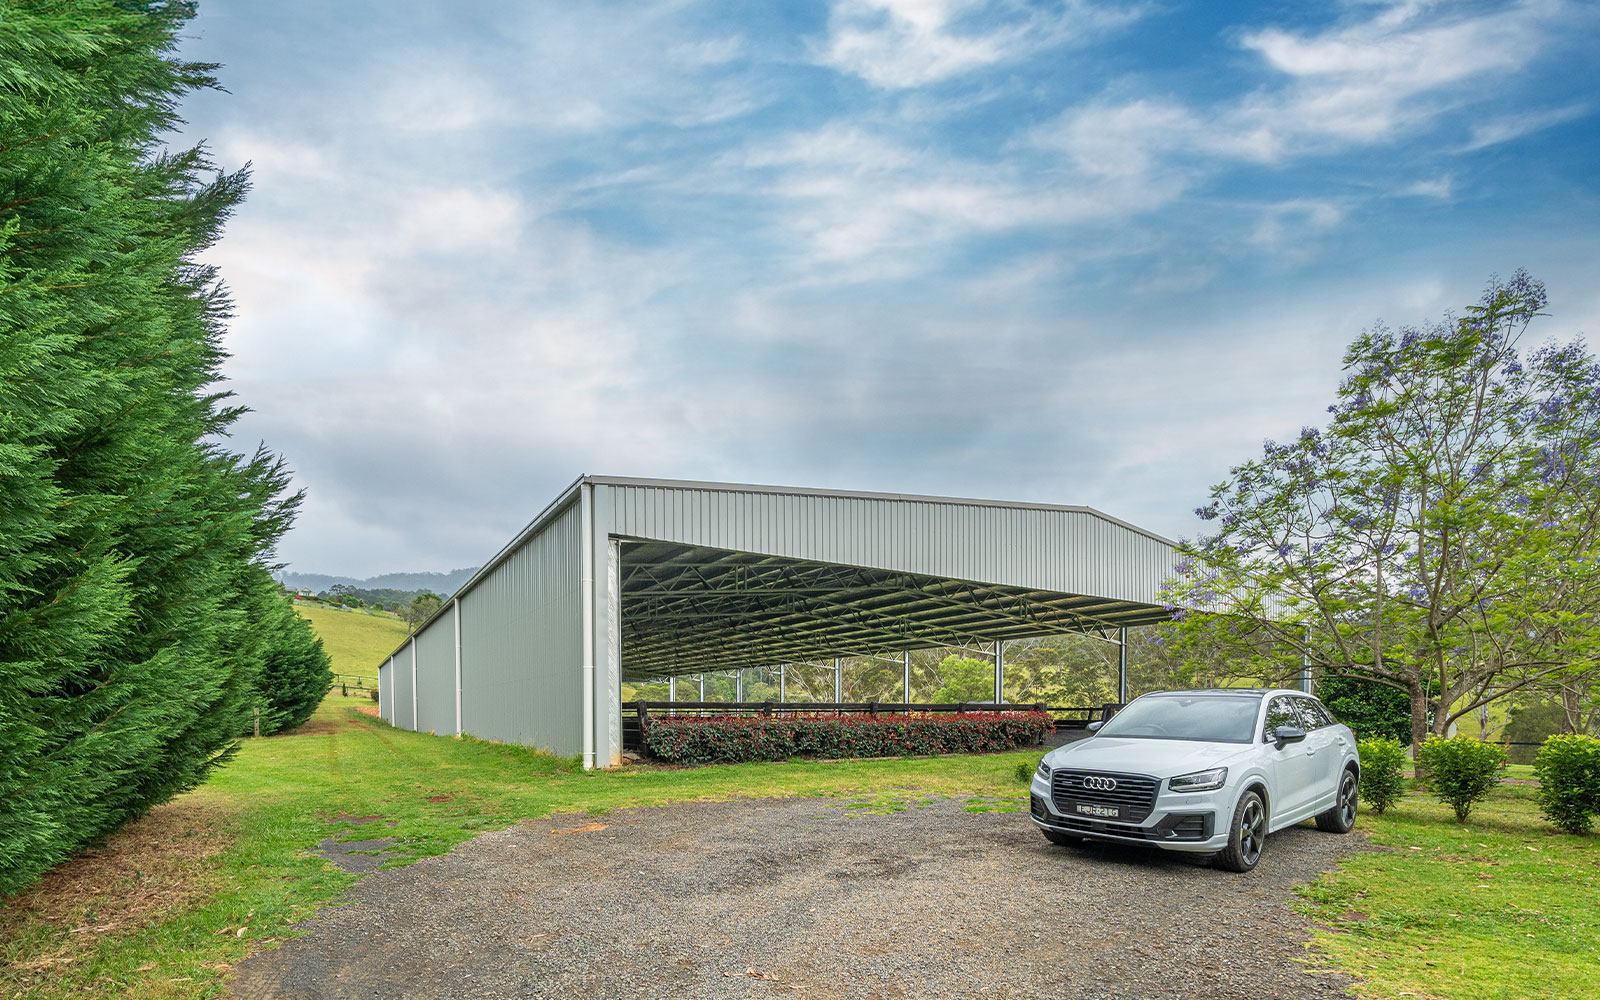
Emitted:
pixel 147 869
pixel 371 710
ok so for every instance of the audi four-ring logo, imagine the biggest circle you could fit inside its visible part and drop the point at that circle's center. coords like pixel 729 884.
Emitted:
pixel 1100 784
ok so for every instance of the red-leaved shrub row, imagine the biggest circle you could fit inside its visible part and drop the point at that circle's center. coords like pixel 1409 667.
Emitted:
pixel 690 739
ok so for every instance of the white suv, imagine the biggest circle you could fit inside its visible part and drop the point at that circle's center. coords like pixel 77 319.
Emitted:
pixel 1207 771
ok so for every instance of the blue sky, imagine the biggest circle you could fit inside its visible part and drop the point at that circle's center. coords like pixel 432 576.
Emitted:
pixel 1066 252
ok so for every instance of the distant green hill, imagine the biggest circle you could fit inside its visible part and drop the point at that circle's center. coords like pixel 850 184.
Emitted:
pixel 443 584
pixel 356 641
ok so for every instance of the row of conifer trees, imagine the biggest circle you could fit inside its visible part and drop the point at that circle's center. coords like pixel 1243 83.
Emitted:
pixel 140 631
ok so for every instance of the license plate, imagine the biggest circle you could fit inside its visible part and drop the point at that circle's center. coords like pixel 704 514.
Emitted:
pixel 1097 811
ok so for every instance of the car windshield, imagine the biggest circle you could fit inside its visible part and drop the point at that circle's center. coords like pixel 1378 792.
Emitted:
pixel 1221 718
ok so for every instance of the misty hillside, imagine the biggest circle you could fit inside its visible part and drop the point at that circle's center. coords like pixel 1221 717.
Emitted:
pixel 440 583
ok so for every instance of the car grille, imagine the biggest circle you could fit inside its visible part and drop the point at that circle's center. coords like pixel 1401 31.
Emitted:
pixel 1134 792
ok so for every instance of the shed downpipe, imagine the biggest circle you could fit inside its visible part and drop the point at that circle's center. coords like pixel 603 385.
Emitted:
pixel 458 667
pixel 586 616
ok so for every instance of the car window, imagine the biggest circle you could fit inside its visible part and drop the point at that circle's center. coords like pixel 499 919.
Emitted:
pixel 1315 715
pixel 1225 718
pixel 1280 712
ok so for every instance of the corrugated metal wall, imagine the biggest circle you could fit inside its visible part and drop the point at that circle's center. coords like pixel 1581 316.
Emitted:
pixel 1067 551
pixel 521 623
pixel 436 676
pixel 403 705
pixel 521 644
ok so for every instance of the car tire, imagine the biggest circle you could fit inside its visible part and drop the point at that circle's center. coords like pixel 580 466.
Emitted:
pixel 1247 834
pixel 1062 839
pixel 1342 817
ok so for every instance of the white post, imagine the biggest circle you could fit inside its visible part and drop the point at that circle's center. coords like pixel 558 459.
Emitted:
pixel 738 684
pixel 702 692
pixel 783 685
pixel 672 693
pixel 613 676
pixel 1305 664
pixel 586 615
pixel 999 671
pixel 414 698
pixel 905 660
pixel 1122 666
pixel 458 667
pixel 838 682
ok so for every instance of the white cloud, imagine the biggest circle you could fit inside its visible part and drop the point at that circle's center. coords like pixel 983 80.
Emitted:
pixel 1508 127
pixel 898 44
pixel 1292 222
pixel 1441 187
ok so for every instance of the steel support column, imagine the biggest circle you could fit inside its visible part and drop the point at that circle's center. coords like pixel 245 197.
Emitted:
pixel 1122 666
pixel 905 659
pixel 999 671
pixel 838 681
pixel 783 684
pixel 458 666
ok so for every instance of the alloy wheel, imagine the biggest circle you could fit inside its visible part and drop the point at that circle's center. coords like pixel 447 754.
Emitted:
pixel 1250 837
pixel 1347 798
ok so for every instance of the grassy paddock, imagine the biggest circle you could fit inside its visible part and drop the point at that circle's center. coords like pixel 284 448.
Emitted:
pixel 1500 908
pixel 355 642
pixel 168 904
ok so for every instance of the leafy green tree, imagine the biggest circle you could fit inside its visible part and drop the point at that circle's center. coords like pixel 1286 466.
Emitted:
pixel 1367 707
pixel 964 679
pixel 132 542
pixel 420 609
pixel 1439 538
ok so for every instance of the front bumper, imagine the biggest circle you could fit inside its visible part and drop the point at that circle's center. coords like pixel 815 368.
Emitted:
pixel 1180 821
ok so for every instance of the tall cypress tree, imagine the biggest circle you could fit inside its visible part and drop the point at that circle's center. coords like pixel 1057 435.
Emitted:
pixel 132 541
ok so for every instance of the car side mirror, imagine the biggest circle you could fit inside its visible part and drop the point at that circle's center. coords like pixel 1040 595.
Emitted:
pixel 1288 734
pixel 1095 726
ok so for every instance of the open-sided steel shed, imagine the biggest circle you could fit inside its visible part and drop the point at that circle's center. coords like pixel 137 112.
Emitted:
pixel 661 577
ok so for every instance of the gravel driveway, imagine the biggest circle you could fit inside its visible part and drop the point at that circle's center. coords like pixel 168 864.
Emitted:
pixel 807 898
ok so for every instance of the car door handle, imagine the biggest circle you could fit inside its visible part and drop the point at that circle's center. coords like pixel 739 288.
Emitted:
pixel 1311 752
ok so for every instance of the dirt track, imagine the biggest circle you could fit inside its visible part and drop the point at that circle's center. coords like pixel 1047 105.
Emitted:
pixel 806 898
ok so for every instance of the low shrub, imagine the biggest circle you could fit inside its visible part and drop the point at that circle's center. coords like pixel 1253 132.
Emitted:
pixel 1568 768
pixel 1383 762
pixel 1460 770
pixel 691 739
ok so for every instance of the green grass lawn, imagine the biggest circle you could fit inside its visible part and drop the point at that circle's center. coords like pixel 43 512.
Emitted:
pixel 1498 908
pixel 356 642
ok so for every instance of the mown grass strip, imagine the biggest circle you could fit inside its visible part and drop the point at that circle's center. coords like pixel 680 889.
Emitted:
pixel 1500 908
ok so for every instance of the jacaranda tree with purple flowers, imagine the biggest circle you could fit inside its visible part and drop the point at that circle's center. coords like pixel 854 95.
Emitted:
pixel 1441 536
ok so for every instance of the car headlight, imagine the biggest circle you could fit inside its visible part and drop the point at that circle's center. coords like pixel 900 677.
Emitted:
pixel 1199 781
pixel 1043 771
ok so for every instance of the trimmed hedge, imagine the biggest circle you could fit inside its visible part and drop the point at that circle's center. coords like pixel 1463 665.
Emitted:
pixel 1568 768
pixel 729 739
pixel 1460 770
pixel 1383 761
